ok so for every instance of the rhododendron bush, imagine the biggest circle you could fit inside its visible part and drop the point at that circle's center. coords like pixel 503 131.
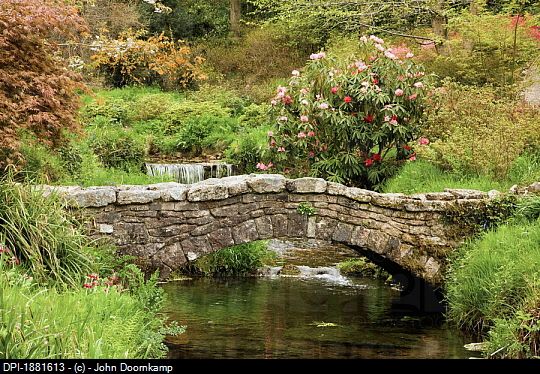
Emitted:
pixel 37 91
pixel 349 121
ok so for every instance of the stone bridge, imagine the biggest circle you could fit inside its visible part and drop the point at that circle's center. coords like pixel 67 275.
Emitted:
pixel 167 225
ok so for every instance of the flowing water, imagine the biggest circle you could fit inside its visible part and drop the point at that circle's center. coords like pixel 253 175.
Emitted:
pixel 317 314
pixel 190 173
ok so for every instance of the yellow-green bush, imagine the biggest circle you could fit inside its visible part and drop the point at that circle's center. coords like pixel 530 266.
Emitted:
pixel 130 60
pixel 474 130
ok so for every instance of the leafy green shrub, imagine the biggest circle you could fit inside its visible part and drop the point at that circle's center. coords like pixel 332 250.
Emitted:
pixel 243 259
pixel 248 148
pixel 349 120
pixel 480 50
pixel 110 111
pixel 46 241
pixel 474 131
pixel 41 164
pixel 178 114
pixel 118 148
pixel 206 132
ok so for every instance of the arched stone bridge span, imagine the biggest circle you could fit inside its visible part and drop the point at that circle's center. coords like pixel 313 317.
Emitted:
pixel 169 224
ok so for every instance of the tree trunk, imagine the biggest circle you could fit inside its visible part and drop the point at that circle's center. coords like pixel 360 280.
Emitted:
pixel 439 22
pixel 234 16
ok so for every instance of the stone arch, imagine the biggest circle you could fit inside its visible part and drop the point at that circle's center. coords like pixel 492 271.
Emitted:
pixel 169 224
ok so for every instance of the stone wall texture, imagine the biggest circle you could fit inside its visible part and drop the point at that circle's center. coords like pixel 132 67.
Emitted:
pixel 167 225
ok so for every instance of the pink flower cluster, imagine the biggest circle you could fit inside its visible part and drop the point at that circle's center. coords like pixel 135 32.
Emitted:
pixel 317 56
pixel 262 166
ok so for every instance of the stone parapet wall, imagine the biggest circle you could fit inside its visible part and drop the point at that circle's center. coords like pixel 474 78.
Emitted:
pixel 169 224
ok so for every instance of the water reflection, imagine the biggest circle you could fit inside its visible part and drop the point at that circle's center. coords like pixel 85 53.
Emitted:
pixel 301 318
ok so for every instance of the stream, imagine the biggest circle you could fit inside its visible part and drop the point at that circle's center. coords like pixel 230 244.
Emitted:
pixel 317 314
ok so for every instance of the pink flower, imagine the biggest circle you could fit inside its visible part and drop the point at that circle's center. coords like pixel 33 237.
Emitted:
pixel 280 95
pixel 377 157
pixel 4 249
pixel 270 133
pixel 368 162
pixel 304 91
pixel 379 47
pixel 317 56
pixel 295 73
pixel 270 164
pixel 301 135
pixel 287 100
pixel 418 85
pixel 281 149
pixel 323 106
pixel 311 134
pixel 423 141
pixel 398 92
pixel 272 143
pixel 400 78
pixel 311 154
pixel 413 157
pixel 273 102
pixel 361 66
pixel 93 276
pixel 376 39
pixel 363 39
pixel 390 55
pixel 347 99
pixel 304 119
pixel 89 285
pixel 409 55
pixel 262 166
pixel 413 96
pixel 334 90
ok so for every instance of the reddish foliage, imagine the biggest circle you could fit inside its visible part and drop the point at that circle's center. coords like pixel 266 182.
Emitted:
pixel 37 91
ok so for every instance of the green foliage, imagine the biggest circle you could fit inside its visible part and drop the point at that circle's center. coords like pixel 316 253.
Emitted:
pixel 239 260
pixel 480 50
pixel 102 322
pixel 350 120
pixel 490 214
pixel 189 19
pixel 362 267
pixel 475 131
pixel 46 241
pixel 306 209
pixel 41 164
pixel 206 132
pixel 248 148
pixel 118 148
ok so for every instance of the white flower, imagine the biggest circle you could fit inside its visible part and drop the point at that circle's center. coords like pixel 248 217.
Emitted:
pixel 379 47
pixel 323 106
pixel 295 73
pixel 304 102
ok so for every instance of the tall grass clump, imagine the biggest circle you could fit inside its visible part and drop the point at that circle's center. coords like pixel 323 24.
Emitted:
pixel 238 260
pixel 102 322
pixel 47 241
pixel 493 285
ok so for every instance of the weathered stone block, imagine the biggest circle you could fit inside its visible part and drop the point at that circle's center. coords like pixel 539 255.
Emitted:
pixel 221 238
pixel 174 194
pixel 306 185
pixel 296 225
pixel 245 232
pixel 266 183
pixel 343 233
pixel 264 227
pixel 136 196
pixel 466 194
pixel 279 223
pixel 91 197
pixel 360 236
pixel 204 192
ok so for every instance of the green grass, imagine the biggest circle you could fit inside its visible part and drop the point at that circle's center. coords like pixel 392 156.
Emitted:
pixel 493 287
pixel 239 260
pixel 363 268
pixel 423 176
pixel 103 322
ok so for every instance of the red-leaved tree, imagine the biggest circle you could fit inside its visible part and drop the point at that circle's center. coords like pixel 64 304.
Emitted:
pixel 37 90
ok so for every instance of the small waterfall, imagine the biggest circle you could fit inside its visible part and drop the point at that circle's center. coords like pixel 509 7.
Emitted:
pixel 190 173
